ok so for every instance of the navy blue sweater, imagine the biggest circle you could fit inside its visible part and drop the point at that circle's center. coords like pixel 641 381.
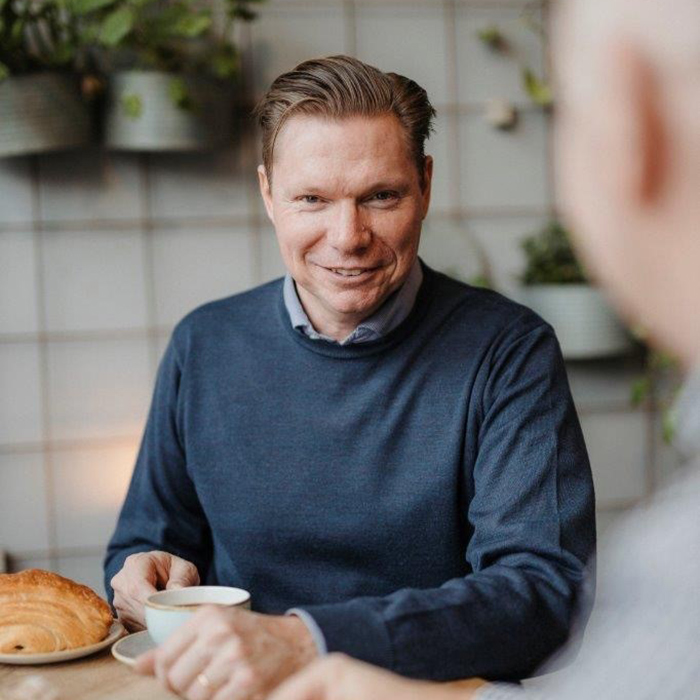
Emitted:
pixel 426 497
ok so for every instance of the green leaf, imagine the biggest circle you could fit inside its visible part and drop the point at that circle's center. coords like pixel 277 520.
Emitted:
pixel 180 95
pixel 640 390
pixel 191 25
pixel 492 37
pixel 116 26
pixel 539 91
pixel 132 104
pixel 83 7
pixel 668 423
pixel 224 62
pixel 4 71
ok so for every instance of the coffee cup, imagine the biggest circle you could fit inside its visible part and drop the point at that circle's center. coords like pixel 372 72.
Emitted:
pixel 167 610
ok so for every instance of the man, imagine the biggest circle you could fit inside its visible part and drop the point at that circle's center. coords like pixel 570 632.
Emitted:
pixel 393 455
pixel 628 141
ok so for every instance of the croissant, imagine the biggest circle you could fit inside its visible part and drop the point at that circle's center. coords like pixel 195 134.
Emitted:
pixel 42 612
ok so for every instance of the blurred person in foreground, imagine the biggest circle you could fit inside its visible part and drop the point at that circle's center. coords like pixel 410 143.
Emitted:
pixel 628 137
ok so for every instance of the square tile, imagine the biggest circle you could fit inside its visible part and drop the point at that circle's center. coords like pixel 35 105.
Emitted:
pixel 200 184
pixel 21 563
pixel 617 448
pixel 271 263
pixel 94 280
pixel 482 73
pixel 504 169
pixel 98 389
pixel 89 487
pixel 448 247
pixel 193 267
pixel 23 506
pixel 444 195
pixel 15 191
pixel 20 393
pixel 283 37
pixel 499 238
pixel 407 40
pixel 604 383
pixel 18 303
pixel 86 570
pixel 90 184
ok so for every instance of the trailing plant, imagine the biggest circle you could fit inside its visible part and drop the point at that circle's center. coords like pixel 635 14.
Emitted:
pixel 550 259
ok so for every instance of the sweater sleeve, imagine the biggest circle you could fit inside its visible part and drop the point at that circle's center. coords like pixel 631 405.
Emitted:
pixel 532 526
pixel 161 510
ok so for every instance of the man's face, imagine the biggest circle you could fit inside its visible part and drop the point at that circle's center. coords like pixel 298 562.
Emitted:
pixel 347 207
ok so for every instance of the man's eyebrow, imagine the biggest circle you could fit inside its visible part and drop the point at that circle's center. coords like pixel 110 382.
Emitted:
pixel 399 185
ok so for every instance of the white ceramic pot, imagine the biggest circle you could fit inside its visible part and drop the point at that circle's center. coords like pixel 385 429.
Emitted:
pixel 584 322
pixel 42 112
pixel 142 116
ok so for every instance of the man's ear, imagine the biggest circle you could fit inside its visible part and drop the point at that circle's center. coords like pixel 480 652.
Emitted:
pixel 265 191
pixel 641 125
pixel 427 184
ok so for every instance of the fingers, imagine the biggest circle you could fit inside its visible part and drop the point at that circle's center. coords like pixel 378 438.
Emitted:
pixel 313 683
pixel 182 574
pixel 146 663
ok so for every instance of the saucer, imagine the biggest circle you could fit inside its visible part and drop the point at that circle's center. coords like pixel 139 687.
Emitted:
pixel 128 648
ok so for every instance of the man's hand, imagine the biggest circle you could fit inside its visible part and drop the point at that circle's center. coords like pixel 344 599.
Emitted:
pixel 230 653
pixel 142 575
pixel 337 677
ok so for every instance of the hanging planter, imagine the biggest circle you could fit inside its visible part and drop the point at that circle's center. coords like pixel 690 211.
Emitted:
pixel 585 324
pixel 556 287
pixel 156 111
pixel 42 112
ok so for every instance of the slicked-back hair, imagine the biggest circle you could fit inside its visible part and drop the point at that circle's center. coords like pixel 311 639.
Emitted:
pixel 339 87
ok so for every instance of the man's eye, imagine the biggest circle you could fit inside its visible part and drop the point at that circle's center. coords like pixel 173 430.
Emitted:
pixel 310 199
pixel 385 196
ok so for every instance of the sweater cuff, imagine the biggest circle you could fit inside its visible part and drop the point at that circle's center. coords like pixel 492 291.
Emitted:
pixel 501 691
pixel 314 629
pixel 354 629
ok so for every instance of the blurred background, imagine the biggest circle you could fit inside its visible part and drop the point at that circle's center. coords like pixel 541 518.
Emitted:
pixel 103 250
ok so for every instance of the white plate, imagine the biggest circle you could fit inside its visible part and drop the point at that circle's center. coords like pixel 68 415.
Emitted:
pixel 126 650
pixel 53 657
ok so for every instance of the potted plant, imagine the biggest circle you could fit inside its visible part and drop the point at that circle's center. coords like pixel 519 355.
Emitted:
pixel 555 286
pixel 172 75
pixel 42 56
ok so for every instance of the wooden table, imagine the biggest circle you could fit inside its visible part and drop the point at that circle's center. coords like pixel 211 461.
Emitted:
pixel 99 676
pixel 102 677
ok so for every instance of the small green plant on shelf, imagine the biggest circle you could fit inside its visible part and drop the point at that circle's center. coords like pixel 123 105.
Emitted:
pixel 550 259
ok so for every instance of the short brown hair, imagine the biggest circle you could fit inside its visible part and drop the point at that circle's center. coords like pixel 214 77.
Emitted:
pixel 338 87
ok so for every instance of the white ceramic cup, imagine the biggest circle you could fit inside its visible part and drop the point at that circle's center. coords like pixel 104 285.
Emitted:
pixel 167 610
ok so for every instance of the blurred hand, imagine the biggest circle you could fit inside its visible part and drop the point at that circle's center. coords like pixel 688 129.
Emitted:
pixel 142 575
pixel 230 654
pixel 338 677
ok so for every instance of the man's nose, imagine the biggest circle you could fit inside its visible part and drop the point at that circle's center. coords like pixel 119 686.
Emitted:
pixel 348 232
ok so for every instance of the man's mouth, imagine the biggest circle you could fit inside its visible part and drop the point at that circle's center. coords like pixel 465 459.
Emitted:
pixel 350 271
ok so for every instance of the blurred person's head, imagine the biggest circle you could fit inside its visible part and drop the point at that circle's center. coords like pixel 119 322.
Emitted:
pixel 345 182
pixel 628 155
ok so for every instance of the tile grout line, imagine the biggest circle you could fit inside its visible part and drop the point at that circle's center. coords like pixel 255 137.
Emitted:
pixel 44 366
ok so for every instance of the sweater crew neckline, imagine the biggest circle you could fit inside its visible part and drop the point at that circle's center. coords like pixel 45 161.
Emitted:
pixel 372 347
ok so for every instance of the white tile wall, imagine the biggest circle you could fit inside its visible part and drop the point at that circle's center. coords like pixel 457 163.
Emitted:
pixel 444 194
pixel 18 303
pixel 84 569
pixel 449 247
pixel 408 40
pixel 98 389
pixel 484 74
pixel 15 191
pixel 286 36
pixel 199 185
pixel 94 280
pixel 90 485
pixel 617 450
pixel 195 266
pixel 271 263
pixel 504 169
pixel 22 483
pixel 20 393
pixel 90 184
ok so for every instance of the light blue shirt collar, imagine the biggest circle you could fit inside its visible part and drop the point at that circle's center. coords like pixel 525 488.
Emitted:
pixel 387 317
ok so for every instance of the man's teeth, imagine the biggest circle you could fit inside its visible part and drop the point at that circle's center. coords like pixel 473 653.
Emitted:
pixel 347 273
